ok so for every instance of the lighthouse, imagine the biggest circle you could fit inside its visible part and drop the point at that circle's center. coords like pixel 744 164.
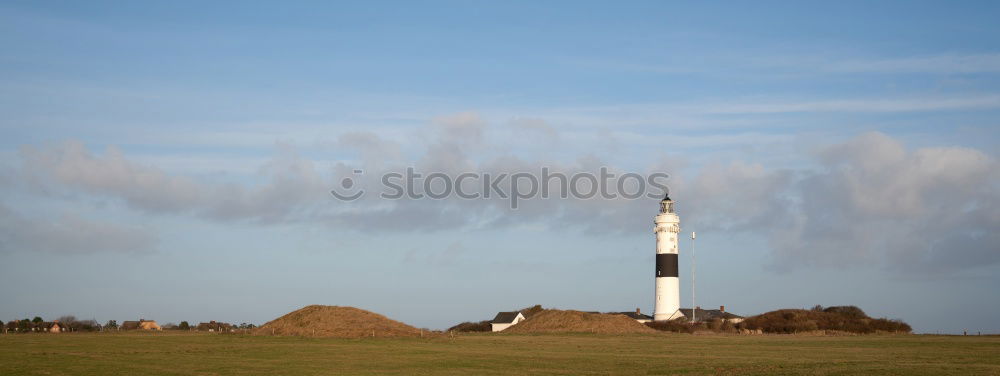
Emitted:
pixel 666 226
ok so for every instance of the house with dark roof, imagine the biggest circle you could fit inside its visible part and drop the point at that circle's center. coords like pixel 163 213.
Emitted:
pixel 637 316
pixel 214 326
pixel 699 314
pixel 504 320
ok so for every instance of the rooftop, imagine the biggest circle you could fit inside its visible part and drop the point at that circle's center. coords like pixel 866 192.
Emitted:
pixel 505 317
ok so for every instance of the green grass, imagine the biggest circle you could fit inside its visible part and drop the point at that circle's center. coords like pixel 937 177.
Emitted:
pixel 658 354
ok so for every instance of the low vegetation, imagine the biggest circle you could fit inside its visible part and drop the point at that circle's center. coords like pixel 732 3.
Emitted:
pixel 482 326
pixel 671 326
pixel 849 319
pixel 838 319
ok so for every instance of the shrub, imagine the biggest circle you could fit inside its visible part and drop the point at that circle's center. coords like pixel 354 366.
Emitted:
pixel 849 311
pixel 482 326
pixel 843 318
pixel 671 326
pixel 85 326
pixel 895 325
pixel 531 311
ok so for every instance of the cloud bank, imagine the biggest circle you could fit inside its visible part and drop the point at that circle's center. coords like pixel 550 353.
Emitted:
pixel 872 201
pixel 866 201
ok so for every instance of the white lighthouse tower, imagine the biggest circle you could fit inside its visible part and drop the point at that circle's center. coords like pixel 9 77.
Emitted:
pixel 668 290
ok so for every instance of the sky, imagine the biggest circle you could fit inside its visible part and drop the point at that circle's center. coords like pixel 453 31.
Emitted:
pixel 174 160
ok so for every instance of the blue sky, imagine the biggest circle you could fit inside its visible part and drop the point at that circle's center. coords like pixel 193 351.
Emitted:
pixel 173 160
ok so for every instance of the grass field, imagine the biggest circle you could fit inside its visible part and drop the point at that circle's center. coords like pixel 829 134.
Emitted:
pixel 656 354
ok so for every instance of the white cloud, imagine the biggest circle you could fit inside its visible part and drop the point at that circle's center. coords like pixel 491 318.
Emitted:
pixel 143 187
pixel 464 127
pixel 875 202
pixel 796 66
pixel 693 114
pixel 976 63
pixel 737 196
pixel 865 105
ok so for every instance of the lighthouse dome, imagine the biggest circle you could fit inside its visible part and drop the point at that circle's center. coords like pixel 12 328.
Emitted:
pixel 666 205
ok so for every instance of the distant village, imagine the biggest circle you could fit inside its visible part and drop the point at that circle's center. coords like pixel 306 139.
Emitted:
pixel 71 324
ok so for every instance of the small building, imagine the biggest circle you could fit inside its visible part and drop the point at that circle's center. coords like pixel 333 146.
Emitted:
pixel 149 325
pixel 49 327
pixel 699 314
pixel 142 324
pixel 637 316
pixel 504 320
pixel 213 326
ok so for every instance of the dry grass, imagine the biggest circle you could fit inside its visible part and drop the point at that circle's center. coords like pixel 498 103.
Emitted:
pixel 334 321
pixel 193 353
pixel 557 321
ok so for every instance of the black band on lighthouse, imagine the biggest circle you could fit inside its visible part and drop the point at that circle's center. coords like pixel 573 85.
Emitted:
pixel 666 265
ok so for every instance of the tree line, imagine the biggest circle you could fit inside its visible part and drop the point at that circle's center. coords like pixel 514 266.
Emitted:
pixel 70 323
pixel 67 323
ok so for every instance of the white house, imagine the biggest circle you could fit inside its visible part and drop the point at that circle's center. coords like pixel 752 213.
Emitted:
pixel 505 320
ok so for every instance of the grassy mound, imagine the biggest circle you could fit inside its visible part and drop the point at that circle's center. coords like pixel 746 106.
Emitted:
pixel 334 321
pixel 843 319
pixel 557 321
